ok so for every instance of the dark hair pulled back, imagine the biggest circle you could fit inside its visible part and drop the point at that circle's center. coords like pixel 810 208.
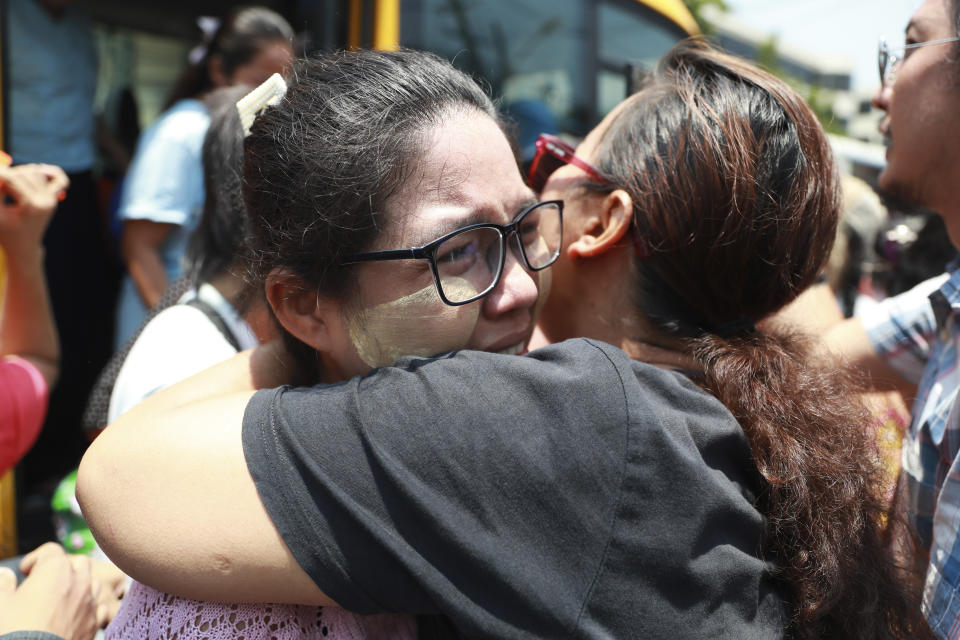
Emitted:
pixel 321 164
pixel 244 32
pixel 736 202
pixel 217 242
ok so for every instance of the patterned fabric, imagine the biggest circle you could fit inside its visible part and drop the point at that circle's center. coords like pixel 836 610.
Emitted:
pixel 903 329
pixel 148 614
pixel 911 334
pixel 98 403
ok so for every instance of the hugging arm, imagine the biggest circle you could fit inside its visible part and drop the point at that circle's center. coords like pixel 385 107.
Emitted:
pixel 27 202
pixel 166 492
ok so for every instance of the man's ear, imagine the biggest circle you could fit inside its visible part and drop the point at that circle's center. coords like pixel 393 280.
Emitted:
pixel 301 310
pixel 606 227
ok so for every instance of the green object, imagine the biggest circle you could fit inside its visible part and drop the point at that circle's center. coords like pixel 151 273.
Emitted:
pixel 72 530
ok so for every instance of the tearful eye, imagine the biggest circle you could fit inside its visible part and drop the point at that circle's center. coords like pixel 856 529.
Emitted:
pixel 459 257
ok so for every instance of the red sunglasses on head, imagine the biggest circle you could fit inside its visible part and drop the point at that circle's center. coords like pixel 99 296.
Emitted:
pixel 553 153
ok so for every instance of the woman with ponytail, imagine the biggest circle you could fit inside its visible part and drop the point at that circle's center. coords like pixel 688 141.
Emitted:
pixel 163 192
pixel 723 488
pixel 717 205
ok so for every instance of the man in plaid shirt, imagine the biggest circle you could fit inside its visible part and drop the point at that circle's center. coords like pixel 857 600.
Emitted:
pixel 916 335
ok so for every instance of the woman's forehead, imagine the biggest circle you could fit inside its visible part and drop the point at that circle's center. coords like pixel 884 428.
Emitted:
pixel 466 169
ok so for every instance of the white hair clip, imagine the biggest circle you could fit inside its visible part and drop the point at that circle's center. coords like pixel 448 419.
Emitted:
pixel 267 94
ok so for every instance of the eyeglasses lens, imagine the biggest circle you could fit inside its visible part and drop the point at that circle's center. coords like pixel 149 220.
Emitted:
pixel 468 263
pixel 539 235
pixel 883 56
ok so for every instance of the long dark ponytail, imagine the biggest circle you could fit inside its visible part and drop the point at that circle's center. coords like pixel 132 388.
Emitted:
pixel 736 202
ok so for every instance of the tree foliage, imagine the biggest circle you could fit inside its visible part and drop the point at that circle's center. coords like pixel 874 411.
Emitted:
pixel 696 8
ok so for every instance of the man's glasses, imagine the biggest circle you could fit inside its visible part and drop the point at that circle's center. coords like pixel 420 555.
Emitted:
pixel 467 263
pixel 553 153
pixel 889 58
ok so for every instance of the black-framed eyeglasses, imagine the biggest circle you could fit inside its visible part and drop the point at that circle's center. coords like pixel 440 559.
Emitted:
pixel 467 263
pixel 889 58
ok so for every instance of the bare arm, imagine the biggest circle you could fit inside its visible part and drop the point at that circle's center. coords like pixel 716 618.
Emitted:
pixel 27 327
pixel 841 341
pixel 141 244
pixel 166 492
pixel 814 311
pixel 847 343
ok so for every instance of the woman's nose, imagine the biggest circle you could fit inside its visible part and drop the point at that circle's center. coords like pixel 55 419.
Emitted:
pixel 517 289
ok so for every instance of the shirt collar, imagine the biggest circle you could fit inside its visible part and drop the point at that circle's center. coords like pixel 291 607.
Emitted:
pixel 946 300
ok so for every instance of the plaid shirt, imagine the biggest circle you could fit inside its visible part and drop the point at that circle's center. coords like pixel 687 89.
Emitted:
pixel 918 333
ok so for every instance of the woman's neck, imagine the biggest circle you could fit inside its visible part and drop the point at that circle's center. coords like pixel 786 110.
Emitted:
pixel 229 286
pixel 609 314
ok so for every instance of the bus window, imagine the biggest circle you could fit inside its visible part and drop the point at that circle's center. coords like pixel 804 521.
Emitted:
pixel 527 50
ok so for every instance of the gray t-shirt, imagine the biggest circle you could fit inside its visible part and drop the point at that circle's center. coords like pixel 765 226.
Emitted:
pixel 571 492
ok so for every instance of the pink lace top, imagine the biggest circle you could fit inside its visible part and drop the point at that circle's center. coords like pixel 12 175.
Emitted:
pixel 148 614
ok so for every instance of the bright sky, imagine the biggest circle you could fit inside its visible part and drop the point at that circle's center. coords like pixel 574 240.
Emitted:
pixel 846 28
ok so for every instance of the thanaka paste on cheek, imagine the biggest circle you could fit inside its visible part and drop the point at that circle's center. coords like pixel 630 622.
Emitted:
pixel 419 324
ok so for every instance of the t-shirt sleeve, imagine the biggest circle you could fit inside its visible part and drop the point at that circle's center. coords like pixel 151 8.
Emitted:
pixel 902 329
pixel 440 480
pixel 165 181
pixel 23 405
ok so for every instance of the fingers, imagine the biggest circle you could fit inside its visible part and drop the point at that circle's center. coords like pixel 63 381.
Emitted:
pixel 109 586
pixel 8 580
pixel 103 615
pixel 34 187
pixel 107 574
pixel 57 180
pixel 43 552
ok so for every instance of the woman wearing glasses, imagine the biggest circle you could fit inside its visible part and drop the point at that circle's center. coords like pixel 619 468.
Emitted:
pixel 573 491
pixel 356 285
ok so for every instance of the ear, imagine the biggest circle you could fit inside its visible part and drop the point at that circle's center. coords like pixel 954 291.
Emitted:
pixel 215 70
pixel 605 228
pixel 304 313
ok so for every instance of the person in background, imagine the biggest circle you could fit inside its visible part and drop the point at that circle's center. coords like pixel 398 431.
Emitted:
pixel 163 191
pixel 206 325
pixel 29 349
pixel 60 595
pixel 51 75
pixel 915 336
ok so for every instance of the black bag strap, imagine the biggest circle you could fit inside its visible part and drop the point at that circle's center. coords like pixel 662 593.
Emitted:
pixel 98 402
pixel 214 316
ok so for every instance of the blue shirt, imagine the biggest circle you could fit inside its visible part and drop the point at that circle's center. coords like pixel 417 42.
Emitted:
pixel 916 330
pixel 164 184
pixel 53 78
pixel 165 180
